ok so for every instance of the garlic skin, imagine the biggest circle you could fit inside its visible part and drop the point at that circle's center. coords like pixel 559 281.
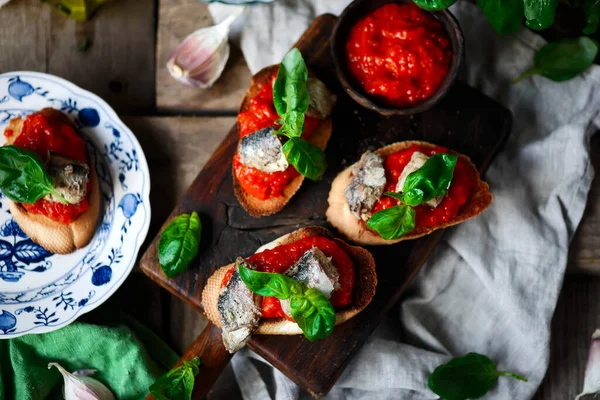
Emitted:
pixel 198 61
pixel 78 386
pixel 591 383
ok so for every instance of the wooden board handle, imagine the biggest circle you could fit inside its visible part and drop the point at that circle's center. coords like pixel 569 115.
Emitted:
pixel 213 359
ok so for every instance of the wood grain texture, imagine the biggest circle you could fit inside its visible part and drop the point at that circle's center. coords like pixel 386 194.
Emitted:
pixel 466 120
pixel 120 71
pixel 176 20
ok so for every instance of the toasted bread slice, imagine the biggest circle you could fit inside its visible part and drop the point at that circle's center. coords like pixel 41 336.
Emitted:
pixel 356 230
pixel 257 207
pixel 364 285
pixel 51 235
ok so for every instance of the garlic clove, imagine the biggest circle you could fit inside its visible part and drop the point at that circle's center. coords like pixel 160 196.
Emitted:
pixel 199 60
pixel 79 386
pixel 591 383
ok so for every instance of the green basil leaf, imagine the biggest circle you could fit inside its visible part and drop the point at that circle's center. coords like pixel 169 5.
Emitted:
pixel 506 16
pixel 313 313
pixel 392 223
pixel 179 243
pixel 430 181
pixel 290 95
pixel 178 383
pixel 308 159
pixel 591 9
pixel 539 9
pixel 563 60
pixel 395 195
pixel 23 177
pixel 434 5
pixel 269 284
pixel 468 377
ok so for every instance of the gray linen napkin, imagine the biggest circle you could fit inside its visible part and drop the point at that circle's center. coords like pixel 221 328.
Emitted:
pixel 492 283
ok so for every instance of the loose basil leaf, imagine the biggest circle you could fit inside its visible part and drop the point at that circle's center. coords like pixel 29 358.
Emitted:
pixel 178 244
pixel 544 22
pixel 395 195
pixel 23 177
pixel 290 95
pixel 430 181
pixel 269 284
pixel 563 60
pixel 394 222
pixel 313 313
pixel 434 5
pixel 506 16
pixel 536 9
pixel 591 9
pixel 308 159
pixel 468 377
pixel 178 383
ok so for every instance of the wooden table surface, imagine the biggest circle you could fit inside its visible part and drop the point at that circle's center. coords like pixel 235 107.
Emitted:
pixel 125 65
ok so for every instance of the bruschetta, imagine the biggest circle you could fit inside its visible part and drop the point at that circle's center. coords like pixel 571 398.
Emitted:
pixel 312 256
pixel 375 184
pixel 264 179
pixel 65 220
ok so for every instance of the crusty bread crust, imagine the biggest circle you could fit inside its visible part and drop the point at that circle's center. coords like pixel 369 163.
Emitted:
pixel 339 215
pixel 257 207
pixel 51 235
pixel 364 286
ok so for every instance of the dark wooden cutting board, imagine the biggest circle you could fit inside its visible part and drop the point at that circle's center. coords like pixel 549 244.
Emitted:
pixel 466 121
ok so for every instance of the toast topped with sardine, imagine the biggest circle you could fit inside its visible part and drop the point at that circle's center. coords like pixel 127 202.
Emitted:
pixel 284 124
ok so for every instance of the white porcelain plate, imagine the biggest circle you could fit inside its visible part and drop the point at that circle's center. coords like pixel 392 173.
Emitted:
pixel 41 291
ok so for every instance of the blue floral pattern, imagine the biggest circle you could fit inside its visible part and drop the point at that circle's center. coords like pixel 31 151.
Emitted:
pixel 41 291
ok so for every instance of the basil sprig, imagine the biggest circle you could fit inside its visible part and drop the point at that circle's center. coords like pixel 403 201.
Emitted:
pixel 506 16
pixel 23 177
pixel 311 310
pixel 434 5
pixel 178 383
pixel 179 243
pixel 468 377
pixel 291 100
pixel 433 179
pixel 563 60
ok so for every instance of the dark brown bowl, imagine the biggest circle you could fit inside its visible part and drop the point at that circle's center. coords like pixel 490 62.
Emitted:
pixel 341 31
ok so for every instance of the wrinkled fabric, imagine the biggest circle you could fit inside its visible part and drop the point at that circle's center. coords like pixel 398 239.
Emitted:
pixel 492 283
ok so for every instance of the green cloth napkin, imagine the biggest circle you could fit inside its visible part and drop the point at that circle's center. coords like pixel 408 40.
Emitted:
pixel 128 358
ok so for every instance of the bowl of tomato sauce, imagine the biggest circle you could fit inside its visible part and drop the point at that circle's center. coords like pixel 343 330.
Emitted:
pixel 395 58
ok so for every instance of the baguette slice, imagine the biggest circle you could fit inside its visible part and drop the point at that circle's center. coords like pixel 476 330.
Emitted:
pixel 51 235
pixel 257 207
pixel 356 230
pixel 364 285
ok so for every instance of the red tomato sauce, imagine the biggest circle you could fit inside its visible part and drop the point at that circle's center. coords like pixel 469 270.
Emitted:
pixel 281 258
pixel 458 194
pixel 262 114
pixel 41 134
pixel 399 53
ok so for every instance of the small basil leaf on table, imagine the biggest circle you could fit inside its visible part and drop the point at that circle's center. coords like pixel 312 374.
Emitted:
pixel 468 377
pixel 308 159
pixel 434 5
pixel 394 222
pixel 178 383
pixel 313 313
pixel 430 181
pixel 564 59
pixel 178 244
pixel 269 284
pixel 506 16
pixel 290 95
pixel 23 177
pixel 591 9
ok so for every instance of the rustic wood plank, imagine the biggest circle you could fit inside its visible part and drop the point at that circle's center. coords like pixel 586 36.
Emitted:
pixel 577 316
pixel 176 20
pixel 483 125
pixel 584 253
pixel 119 64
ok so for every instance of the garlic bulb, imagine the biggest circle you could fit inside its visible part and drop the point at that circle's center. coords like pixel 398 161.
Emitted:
pixel 199 60
pixel 78 386
pixel 591 383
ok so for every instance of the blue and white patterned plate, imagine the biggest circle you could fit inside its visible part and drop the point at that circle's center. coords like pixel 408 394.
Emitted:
pixel 41 291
